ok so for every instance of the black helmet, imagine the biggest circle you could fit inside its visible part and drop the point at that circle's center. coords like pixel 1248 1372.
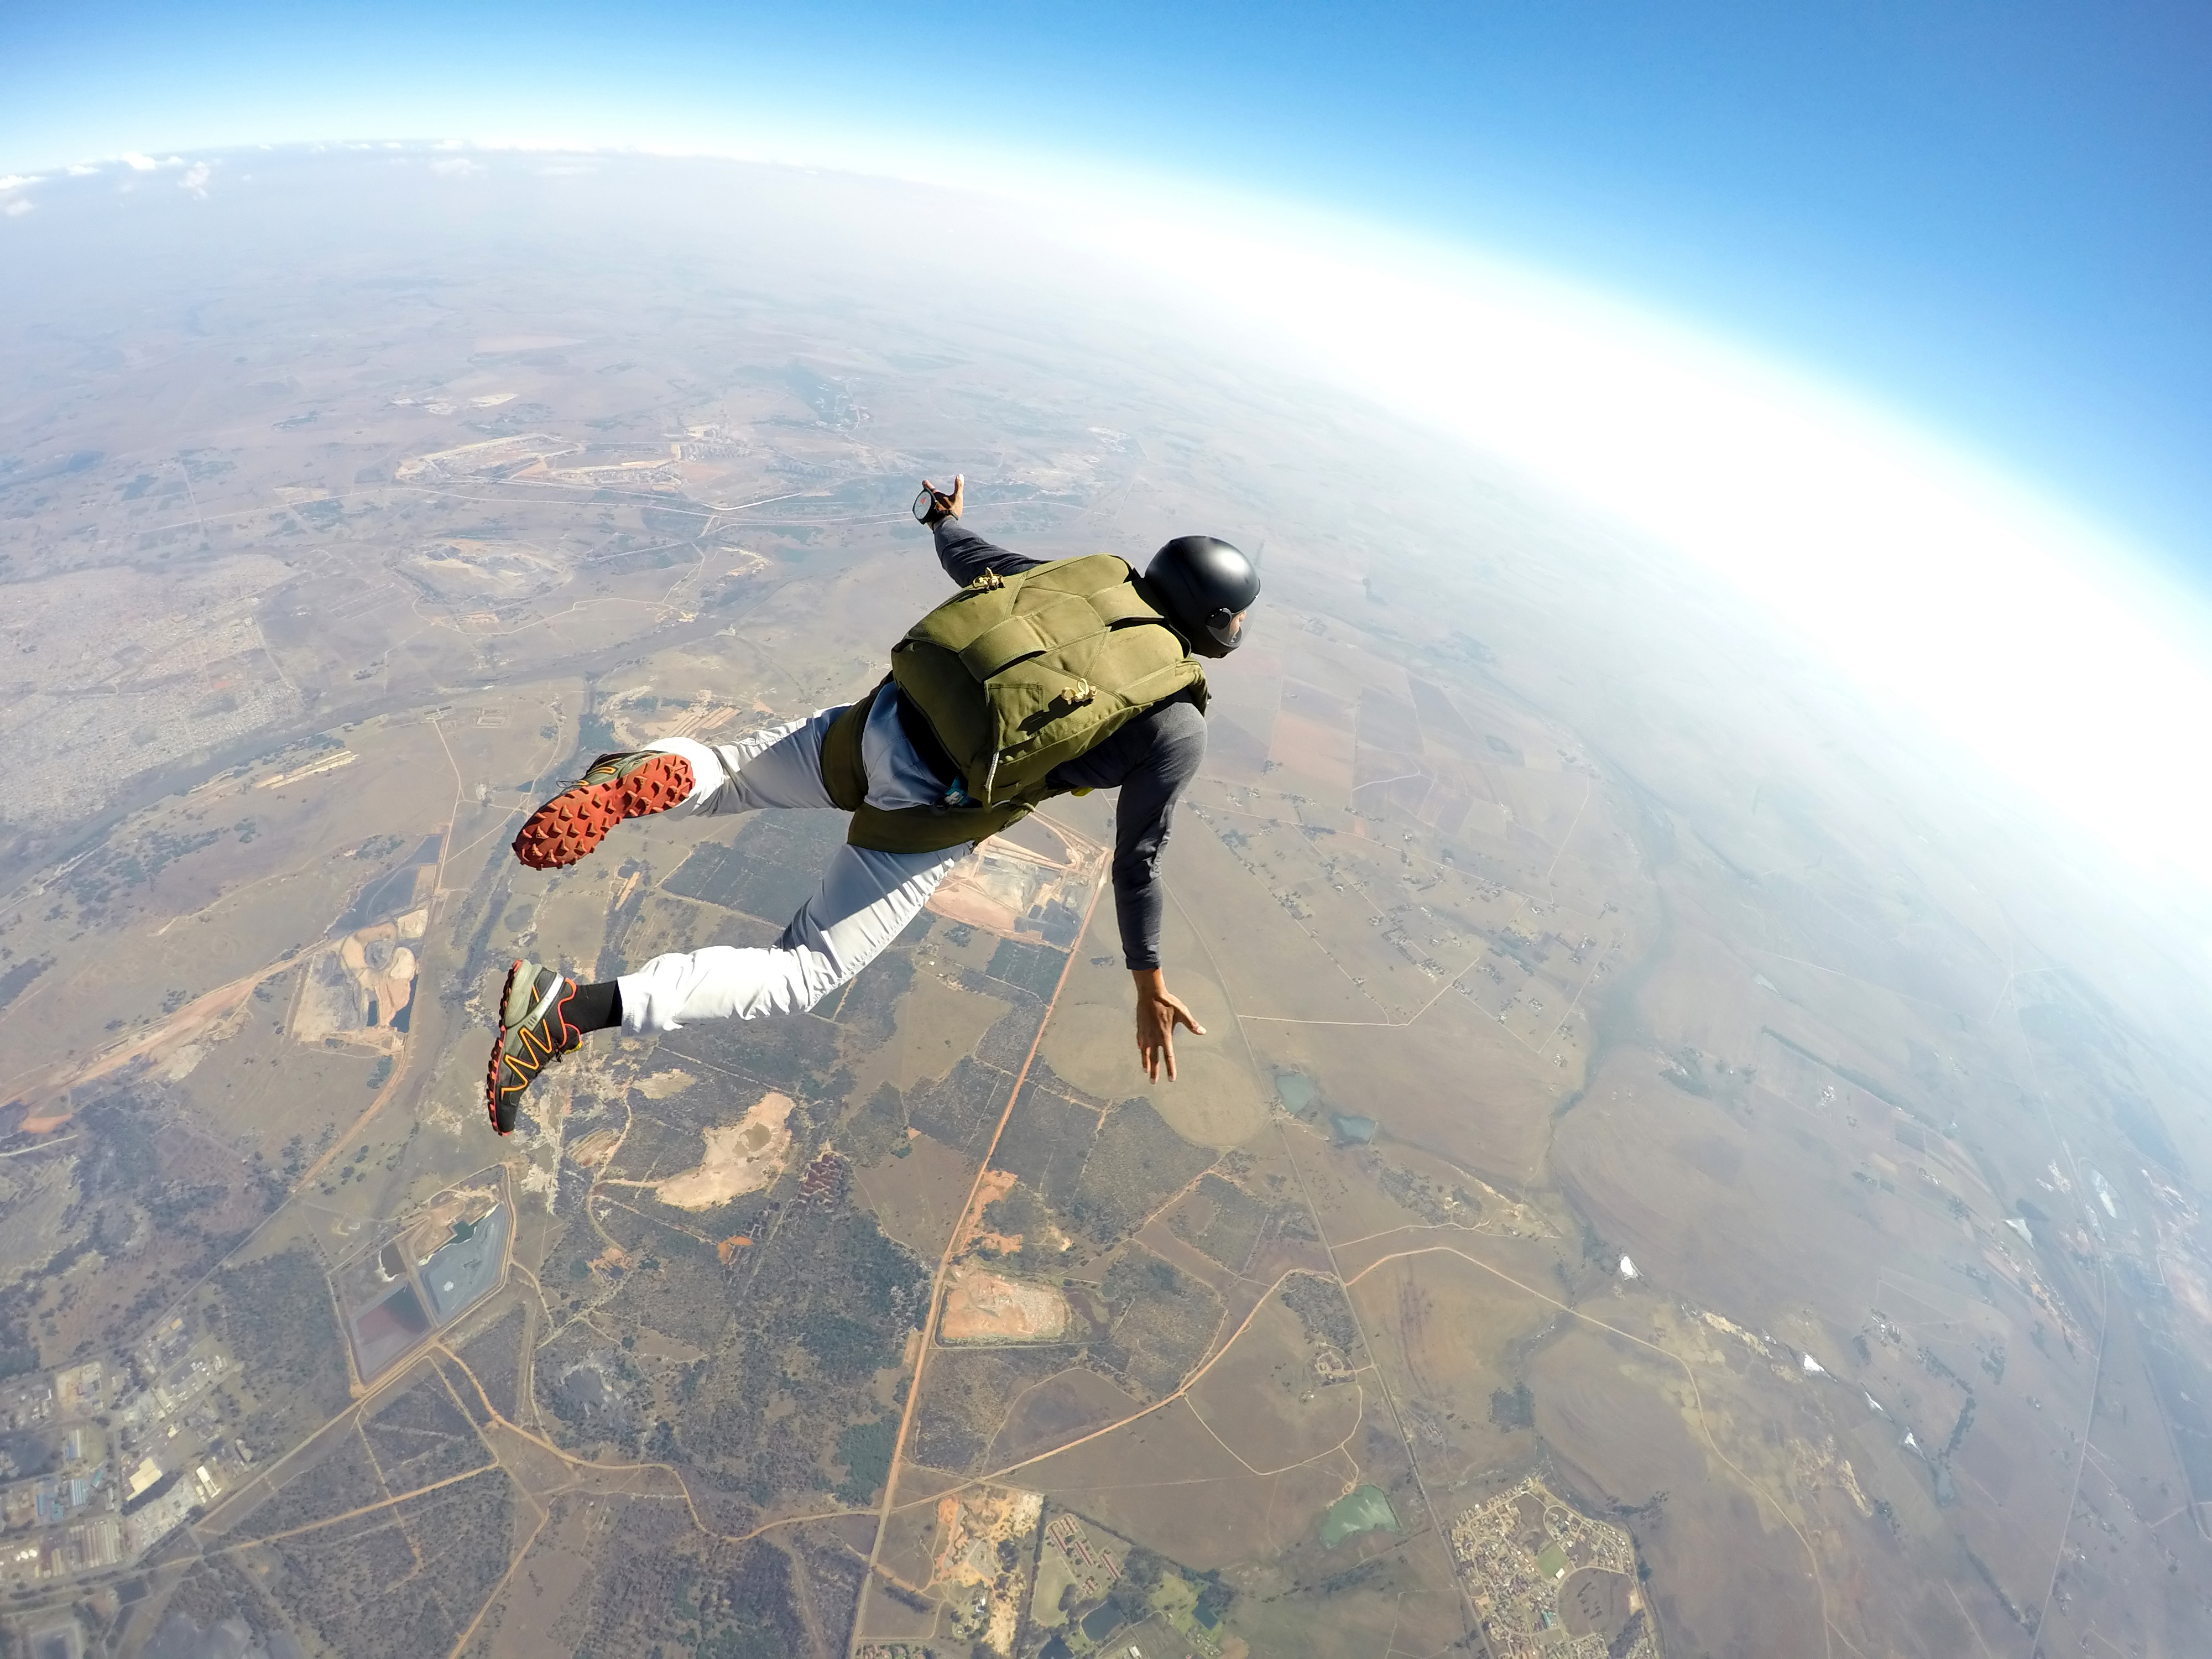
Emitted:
pixel 1206 586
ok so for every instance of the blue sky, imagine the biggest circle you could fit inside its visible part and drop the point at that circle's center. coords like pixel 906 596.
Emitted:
pixel 1997 218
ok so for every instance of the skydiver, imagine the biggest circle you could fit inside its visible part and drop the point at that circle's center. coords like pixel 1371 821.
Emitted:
pixel 1038 679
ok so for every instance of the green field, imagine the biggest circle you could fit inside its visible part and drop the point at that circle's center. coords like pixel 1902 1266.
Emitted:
pixel 1367 1510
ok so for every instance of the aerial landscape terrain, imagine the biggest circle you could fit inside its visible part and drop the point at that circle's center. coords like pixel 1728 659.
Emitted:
pixel 1674 1167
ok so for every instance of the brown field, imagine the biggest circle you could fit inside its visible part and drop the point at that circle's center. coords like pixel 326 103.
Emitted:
pixel 907 1556
pixel 1166 1482
pixel 176 1045
pixel 1269 1408
pixel 936 1024
pixel 1051 1413
pixel 230 910
pixel 980 1306
pixel 1617 1420
pixel 664 1086
pixel 999 886
pixel 595 1149
pixel 1444 1332
pixel 1278 968
pixel 740 1157
pixel 556 1569
pixel 1317 752
pixel 1514 837
pixel 1216 1098
pixel 917 1198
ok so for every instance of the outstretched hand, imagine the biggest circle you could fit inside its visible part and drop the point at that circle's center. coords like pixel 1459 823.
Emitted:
pixel 1159 1011
pixel 942 506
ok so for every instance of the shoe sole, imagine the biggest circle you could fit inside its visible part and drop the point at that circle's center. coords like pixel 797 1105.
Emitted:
pixel 569 826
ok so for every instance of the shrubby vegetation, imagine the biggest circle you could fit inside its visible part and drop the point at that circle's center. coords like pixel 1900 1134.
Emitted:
pixel 865 1450
pixel 275 1315
pixel 1320 1304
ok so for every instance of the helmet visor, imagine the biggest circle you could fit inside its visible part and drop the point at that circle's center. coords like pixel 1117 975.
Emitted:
pixel 1226 628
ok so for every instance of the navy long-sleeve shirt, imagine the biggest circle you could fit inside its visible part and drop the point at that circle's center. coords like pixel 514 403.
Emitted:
pixel 1151 760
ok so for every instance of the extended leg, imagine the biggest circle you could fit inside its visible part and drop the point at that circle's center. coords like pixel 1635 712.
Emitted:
pixel 779 767
pixel 866 900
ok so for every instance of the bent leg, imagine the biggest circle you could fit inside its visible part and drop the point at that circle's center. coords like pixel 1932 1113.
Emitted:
pixel 866 900
pixel 779 767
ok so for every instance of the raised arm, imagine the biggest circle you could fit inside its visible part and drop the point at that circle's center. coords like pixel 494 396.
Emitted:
pixel 965 555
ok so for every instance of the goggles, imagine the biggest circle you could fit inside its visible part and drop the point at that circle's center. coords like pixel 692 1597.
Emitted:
pixel 1226 628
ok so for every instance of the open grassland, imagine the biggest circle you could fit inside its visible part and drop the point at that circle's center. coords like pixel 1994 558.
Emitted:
pixel 1533 930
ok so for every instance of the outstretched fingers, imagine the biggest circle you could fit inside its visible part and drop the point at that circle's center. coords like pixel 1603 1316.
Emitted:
pixel 1148 1056
pixel 1157 1017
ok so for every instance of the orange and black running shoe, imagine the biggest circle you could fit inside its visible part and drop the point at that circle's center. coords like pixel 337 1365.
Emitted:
pixel 631 785
pixel 534 1030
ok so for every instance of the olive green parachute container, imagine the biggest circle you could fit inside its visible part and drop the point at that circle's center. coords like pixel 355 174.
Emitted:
pixel 1015 675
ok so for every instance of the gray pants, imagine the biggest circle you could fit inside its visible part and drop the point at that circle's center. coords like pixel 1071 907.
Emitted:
pixel 866 900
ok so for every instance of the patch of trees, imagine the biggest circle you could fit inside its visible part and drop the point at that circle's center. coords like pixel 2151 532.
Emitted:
pixel 1234 1226
pixel 803 1318
pixel 1322 1311
pixel 1214 1597
pixel 1131 1598
pixel 725 1602
pixel 961 1105
pixel 877 1131
pixel 1161 1321
pixel 1513 1409
pixel 491 1357
pixel 173 1200
pixel 846 1349
pixel 1136 1165
pixel 865 1450
pixel 276 1318
pixel 123 1157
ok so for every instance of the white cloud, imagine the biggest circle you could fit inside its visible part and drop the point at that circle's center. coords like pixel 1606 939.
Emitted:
pixel 2003 619
pixel 16 208
pixel 138 163
pixel 2007 621
pixel 15 181
pixel 82 170
pixel 195 180
pixel 455 167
